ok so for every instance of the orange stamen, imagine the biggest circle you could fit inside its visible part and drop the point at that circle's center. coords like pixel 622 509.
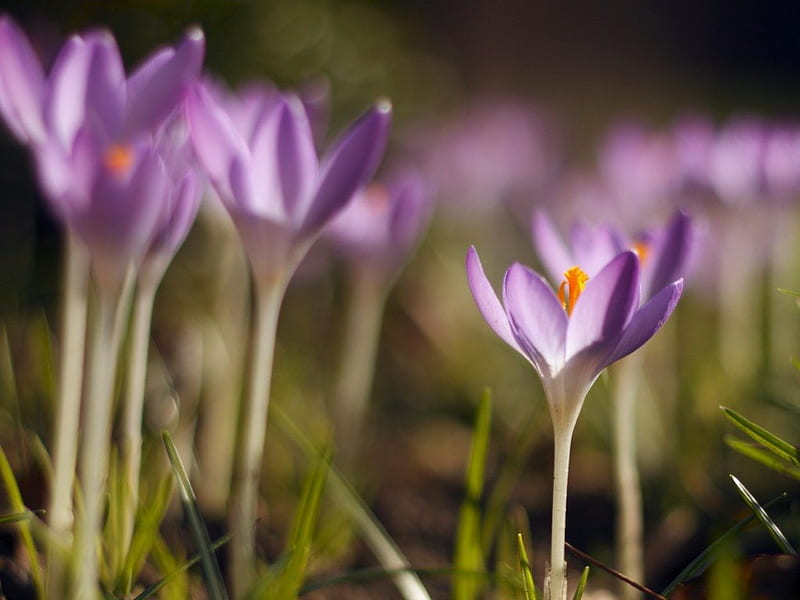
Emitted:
pixel 570 289
pixel 377 196
pixel 642 250
pixel 118 159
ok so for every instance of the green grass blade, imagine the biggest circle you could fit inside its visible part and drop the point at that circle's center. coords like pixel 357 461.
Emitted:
pixel 16 517
pixel 468 548
pixel 525 566
pixel 760 455
pixel 582 583
pixel 150 591
pixel 375 536
pixel 763 517
pixel 707 556
pixel 18 506
pixel 772 442
pixel 208 562
pixel 284 582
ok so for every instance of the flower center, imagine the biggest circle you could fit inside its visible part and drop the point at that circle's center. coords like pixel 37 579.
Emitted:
pixel 570 289
pixel 642 250
pixel 377 197
pixel 118 159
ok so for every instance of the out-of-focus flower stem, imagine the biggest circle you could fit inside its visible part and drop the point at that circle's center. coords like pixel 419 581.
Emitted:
pixel 65 438
pixel 107 326
pixel 357 364
pixel 253 426
pixel 131 444
pixel 626 472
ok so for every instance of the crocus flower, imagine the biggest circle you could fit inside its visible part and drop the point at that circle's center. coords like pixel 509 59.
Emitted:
pixel 91 133
pixel 270 180
pixel 382 223
pixel 569 337
pixel 664 253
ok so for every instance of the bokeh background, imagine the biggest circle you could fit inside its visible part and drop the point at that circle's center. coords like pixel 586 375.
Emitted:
pixel 581 69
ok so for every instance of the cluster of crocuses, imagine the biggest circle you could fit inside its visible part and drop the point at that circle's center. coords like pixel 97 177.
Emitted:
pixel 121 159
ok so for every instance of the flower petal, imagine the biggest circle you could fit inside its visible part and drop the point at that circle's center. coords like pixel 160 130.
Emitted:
pixel 606 304
pixel 348 166
pixel 537 318
pixel 670 256
pixel 550 248
pixel 486 299
pixel 647 321
pixel 214 138
pixel 157 87
pixel 106 88
pixel 593 247
pixel 65 101
pixel 297 159
pixel 22 84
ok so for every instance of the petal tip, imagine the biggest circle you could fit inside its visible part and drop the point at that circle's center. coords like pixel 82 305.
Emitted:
pixel 195 34
pixel 383 106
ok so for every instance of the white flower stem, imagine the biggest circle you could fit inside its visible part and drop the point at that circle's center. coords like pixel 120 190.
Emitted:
pixel 562 439
pixel 96 441
pixel 357 365
pixel 131 443
pixel 244 502
pixel 629 497
pixel 65 438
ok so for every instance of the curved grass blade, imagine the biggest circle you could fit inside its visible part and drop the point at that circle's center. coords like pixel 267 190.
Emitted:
pixel 769 440
pixel 150 590
pixel 208 562
pixel 375 536
pixel 707 556
pixel 468 554
pixel 582 584
pixel 284 581
pixel 16 517
pixel 18 506
pixel 527 575
pixel 760 455
pixel 763 517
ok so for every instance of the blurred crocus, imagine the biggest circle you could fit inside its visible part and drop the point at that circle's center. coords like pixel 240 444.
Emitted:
pixel 263 164
pixel 91 129
pixel 267 174
pixel 663 252
pixel 569 337
pixel 381 225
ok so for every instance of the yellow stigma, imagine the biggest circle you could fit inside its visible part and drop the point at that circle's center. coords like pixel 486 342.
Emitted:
pixel 570 289
pixel 642 250
pixel 118 159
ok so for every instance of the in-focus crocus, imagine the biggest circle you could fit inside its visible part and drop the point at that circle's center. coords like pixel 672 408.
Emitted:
pixel 280 196
pixel 569 337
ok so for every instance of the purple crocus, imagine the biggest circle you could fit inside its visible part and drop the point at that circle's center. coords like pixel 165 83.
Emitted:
pixel 569 337
pixel 664 252
pixel 382 223
pixel 90 129
pixel 267 173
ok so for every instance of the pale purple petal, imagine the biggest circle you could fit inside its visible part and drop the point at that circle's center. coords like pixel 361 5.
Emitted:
pixel 670 255
pixel 606 304
pixel 105 85
pixel 593 247
pixel 486 299
pixel 550 248
pixel 65 104
pixel 214 138
pixel 22 84
pixel 410 209
pixel 159 85
pixel 266 165
pixel 646 322
pixel 297 159
pixel 348 166
pixel 537 318
pixel 178 222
